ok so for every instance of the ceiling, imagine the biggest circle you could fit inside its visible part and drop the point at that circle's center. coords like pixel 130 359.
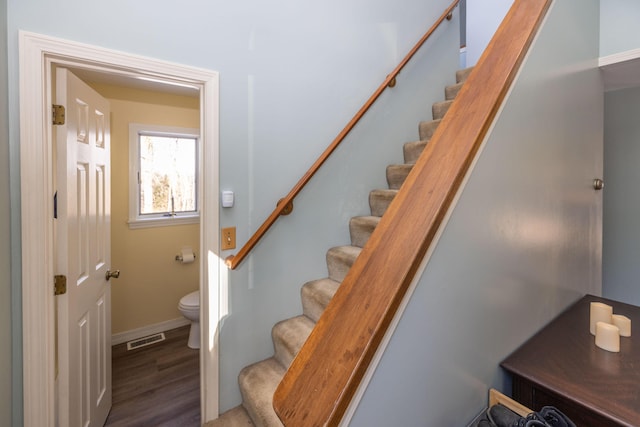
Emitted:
pixel 137 82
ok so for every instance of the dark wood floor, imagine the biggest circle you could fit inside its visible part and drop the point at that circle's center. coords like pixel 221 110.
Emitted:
pixel 157 385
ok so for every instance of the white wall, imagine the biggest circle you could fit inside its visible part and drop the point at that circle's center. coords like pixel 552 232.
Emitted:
pixel 619 26
pixel 5 238
pixel 483 19
pixel 621 199
pixel 523 242
pixel 292 75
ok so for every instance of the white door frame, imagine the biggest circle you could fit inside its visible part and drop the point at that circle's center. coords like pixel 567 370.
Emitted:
pixel 38 54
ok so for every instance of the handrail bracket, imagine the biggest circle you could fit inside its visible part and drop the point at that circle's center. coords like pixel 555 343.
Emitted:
pixel 288 208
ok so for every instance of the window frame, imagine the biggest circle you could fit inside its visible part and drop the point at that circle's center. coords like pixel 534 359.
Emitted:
pixel 136 220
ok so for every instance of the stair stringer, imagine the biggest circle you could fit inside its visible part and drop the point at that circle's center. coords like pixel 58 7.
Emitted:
pixel 258 381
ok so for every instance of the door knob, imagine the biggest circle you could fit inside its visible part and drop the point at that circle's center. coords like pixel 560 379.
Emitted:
pixel 598 184
pixel 115 274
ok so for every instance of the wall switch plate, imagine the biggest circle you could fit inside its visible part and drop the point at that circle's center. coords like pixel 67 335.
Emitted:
pixel 228 238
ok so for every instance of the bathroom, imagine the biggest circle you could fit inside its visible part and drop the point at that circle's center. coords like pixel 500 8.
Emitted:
pixel 146 295
pixel 154 278
pixel 152 282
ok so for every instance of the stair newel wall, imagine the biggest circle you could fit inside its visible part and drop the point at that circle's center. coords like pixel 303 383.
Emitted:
pixel 325 375
pixel 265 288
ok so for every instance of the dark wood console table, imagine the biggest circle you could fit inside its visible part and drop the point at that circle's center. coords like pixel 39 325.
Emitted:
pixel 561 366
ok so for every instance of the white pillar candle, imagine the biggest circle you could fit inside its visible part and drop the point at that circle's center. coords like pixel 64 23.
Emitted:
pixel 608 337
pixel 623 323
pixel 599 313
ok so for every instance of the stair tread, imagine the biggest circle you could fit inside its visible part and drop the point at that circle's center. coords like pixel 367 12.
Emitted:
pixel 234 417
pixel 315 296
pixel 288 337
pixel 258 382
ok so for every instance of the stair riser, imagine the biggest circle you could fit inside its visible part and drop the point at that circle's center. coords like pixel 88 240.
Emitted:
pixel 360 229
pixel 379 201
pixel 462 75
pixel 427 128
pixel 339 263
pixel 412 151
pixel 257 384
pixel 288 337
pixel 396 175
pixel 316 295
pixel 450 92
pixel 439 109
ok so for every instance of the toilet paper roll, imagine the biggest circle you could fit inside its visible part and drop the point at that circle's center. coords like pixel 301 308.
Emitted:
pixel 599 312
pixel 187 256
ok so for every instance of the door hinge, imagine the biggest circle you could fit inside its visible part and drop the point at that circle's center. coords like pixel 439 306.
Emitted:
pixel 58 114
pixel 59 284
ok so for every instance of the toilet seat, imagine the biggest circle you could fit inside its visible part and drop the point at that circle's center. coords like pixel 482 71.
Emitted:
pixel 190 301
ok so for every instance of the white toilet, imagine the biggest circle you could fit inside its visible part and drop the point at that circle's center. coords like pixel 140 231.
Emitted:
pixel 190 308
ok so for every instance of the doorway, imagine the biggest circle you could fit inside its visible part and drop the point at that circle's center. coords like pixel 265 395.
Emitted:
pixel 38 55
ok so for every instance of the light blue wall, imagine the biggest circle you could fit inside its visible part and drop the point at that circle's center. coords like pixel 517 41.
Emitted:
pixel 619 26
pixel 522 244
pixel 292 74
pixel 483 19
pixel 5 237
pixel 621 251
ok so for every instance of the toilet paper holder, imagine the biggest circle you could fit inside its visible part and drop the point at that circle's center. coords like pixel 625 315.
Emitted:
pixel 179 257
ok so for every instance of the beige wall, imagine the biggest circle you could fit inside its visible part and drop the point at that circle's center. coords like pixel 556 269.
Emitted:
pixel 151 281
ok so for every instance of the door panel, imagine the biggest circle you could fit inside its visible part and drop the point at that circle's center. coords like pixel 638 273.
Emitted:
pixel 83 254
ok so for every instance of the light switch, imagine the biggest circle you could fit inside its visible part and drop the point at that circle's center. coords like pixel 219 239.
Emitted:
pixel 228 238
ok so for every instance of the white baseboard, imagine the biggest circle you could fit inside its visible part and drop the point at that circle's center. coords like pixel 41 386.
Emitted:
pixel 144 331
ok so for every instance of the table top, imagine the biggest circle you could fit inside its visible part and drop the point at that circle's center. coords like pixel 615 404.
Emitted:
pixel 563 358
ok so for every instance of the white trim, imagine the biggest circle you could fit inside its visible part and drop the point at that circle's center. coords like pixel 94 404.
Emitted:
pixel 134 334
pixel 620 70
pixel 164 222
pixel 617 58
pixel 37 54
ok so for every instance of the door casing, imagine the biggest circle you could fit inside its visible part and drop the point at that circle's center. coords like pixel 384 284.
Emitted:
pixel 38 54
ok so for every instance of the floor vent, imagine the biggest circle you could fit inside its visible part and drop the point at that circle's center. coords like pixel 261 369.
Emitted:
pixel 141 342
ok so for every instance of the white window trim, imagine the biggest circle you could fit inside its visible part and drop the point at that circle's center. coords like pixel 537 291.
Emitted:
pixel 135 220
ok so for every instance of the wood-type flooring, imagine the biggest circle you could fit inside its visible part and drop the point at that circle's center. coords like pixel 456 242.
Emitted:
pixel 157 385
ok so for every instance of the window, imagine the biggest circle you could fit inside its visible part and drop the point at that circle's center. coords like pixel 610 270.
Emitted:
pixel 163 165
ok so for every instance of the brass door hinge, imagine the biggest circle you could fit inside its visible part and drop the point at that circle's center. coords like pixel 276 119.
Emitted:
pixel 58 114
pixel 59 284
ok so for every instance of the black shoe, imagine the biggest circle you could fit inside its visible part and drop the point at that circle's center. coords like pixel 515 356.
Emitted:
pixel 501 416
pixel 554 418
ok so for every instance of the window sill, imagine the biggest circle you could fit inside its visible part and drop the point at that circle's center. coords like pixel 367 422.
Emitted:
pixel 163 222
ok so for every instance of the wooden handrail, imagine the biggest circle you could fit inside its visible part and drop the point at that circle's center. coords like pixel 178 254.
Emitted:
pixel 321 381
pixel 286 203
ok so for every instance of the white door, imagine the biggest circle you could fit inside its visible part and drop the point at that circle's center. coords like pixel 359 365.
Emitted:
pixel 83 254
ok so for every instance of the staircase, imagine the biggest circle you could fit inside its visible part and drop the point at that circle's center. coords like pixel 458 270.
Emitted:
pixel 258 382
